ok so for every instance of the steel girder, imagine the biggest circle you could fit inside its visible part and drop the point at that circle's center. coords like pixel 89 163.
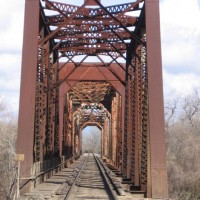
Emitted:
pixel 138 149
pixel 85 106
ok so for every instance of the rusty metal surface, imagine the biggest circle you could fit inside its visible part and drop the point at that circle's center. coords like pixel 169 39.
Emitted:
pixel 25 138
pixel 90 106
pixel 120 91
pixel 40 105
pixel 92 92
pixel 155 91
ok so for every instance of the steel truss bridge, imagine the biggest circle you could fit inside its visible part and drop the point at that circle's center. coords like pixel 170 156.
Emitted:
pixel 93 65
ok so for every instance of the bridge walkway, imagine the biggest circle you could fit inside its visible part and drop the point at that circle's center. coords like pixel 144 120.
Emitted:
pixel 89 184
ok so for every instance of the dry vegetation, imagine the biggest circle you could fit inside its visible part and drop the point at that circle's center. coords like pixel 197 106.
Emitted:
pixel 183 147
pixel 91 142
pixel 8 130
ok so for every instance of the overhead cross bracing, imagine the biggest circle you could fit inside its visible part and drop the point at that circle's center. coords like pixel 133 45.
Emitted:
pixel 92 92
pixel 82 30
pixel 93 63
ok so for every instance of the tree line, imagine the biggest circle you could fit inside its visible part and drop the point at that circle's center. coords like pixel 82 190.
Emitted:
pixel 8 167
pixel 182 125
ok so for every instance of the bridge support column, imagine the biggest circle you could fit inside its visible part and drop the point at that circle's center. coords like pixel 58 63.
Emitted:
pixel 25 139
pixel 157 181
pixel 105 132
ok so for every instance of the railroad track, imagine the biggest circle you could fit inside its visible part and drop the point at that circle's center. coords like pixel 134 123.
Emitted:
pixel 91 182
pixel 87 178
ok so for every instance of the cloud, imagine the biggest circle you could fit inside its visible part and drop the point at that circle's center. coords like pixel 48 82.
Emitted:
pixel 10 79
pixel 180 35
pixel 179 84
pixel 11 20
pixel 180 46
pixel 11 34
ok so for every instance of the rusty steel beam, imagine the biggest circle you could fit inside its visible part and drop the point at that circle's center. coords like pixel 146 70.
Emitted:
pixel 41 101
pixel 136 114
pixel 135 37
pixel 93 43
pixel 100 72
pixel 116 9
pixel 158 173
pixel 63 34
pixel 25 138
pixel 62 100
pixel 92 3
pixel 92 48
pixel 112 70
pixel 49 36
pixel 127 136
pixel 70 60
pixel 87 29
pixel 119 135
pixel 69 9
pixel 105 21
pixel 76 66
pixel 90 91
pixel 114 127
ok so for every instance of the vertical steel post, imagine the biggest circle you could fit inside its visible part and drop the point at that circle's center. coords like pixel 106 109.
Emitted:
pixel 114 128
pixel 136 122
pixel 63 89
pixel 129 127
pixel 104 135
pixel 158 171
pixel 119 134
pixel 25 139
pixel 123 131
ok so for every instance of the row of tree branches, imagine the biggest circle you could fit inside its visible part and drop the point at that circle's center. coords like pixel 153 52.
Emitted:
pixel 8 168
pixel 183 146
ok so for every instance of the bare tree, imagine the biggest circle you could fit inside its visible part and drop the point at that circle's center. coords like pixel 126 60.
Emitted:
pixel 8 130
pixel 171 109
pixel 92 142
pixel 183 149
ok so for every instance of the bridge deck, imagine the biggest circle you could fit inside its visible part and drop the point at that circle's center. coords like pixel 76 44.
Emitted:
pixel 89 184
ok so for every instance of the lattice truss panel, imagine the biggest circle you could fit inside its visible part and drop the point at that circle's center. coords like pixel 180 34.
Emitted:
pixel 91 31
pixel 89 94
pixel 46 114
pixel 90 107
pixel 74 31
pixel 91 112
pixel 93 92
pixel 94 114
pixel 136 137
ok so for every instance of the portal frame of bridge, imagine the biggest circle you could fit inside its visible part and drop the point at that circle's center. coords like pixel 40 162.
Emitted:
pixel 142 155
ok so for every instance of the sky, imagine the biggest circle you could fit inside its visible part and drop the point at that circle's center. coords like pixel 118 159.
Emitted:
pixel 180 40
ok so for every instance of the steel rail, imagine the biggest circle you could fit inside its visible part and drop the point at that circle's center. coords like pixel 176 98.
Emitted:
pixel 119 190
pixel 111 193
pixel 71 189
pixel 106 179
